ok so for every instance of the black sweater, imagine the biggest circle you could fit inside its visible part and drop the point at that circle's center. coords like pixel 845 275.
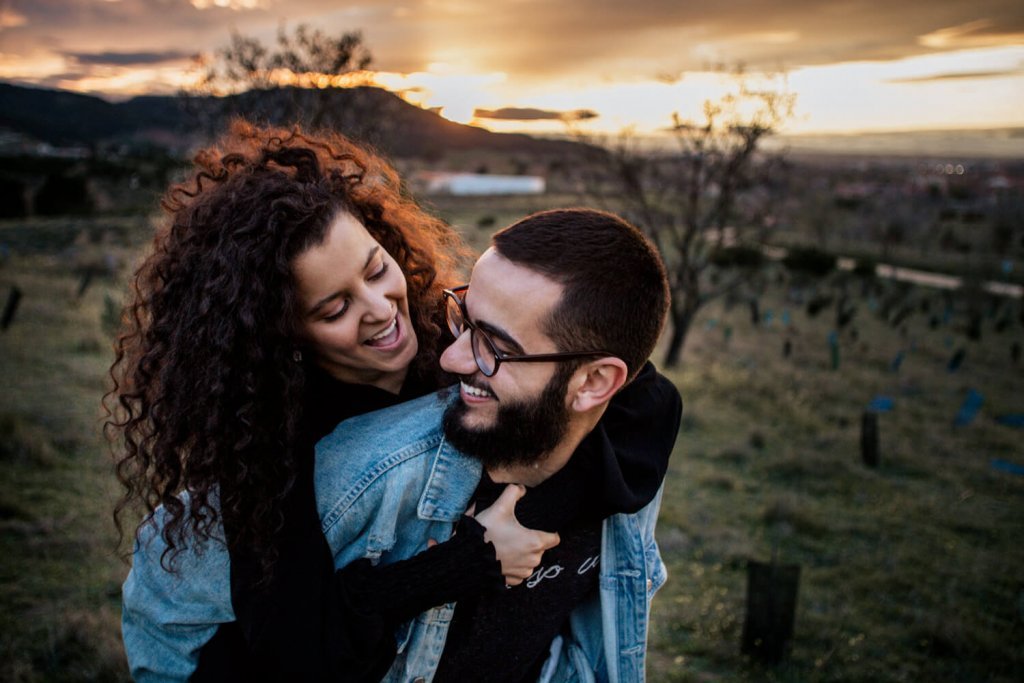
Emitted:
pixel 312 623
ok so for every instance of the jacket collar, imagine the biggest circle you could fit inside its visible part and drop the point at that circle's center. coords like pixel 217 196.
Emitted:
pixel 453 478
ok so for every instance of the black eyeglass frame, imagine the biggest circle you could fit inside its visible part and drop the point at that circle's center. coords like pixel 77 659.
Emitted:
pixel 499 356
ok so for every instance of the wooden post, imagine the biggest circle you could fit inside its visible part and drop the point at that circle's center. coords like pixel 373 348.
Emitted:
pixel 957 360
pixel 84 282
pixel 13 299
pixel 771 610
pixel 974 327
pixel 869 438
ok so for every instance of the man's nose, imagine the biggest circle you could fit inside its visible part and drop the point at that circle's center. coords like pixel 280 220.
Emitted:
pixel 458 358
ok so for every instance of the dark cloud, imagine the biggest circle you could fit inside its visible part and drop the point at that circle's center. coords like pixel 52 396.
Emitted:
pixel 531 114
pixel 128 58
pixel 958 76
pixel 658 37
pixel 645 38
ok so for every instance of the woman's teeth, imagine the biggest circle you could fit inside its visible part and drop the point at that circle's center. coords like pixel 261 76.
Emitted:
pixel 385 332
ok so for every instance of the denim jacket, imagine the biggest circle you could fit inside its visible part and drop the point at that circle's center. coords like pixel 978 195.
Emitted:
pixel 387 482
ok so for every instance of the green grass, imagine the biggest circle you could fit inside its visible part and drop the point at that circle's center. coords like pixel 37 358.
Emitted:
pixel 59 571
pixel 909 572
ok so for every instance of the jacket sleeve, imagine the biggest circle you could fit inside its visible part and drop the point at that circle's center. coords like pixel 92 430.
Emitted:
pixel 168 616
pixel 463 566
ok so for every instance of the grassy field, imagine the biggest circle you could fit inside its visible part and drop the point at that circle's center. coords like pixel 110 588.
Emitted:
pixel 910 572
pixel 60 577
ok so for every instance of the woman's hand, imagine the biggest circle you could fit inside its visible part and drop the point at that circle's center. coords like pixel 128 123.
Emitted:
pixel 517 548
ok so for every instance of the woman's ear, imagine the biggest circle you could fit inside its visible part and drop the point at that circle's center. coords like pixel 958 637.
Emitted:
pixel 599 381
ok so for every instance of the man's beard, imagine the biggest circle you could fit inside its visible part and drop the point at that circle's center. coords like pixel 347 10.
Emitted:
pixel 523 431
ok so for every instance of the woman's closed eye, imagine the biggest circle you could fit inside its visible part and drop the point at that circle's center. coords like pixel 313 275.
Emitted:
pixel 337 314
pixel 377 274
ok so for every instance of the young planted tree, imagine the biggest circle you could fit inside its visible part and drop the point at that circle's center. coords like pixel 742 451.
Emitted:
pixel 711 194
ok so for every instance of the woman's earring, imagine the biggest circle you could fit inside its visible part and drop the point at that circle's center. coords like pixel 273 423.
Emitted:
pixel 297 356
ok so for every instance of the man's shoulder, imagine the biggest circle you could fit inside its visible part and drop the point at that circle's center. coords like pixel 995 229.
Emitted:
pixel 660 388
pixel 650 401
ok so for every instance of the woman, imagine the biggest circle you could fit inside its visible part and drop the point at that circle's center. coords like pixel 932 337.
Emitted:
pixel 294 285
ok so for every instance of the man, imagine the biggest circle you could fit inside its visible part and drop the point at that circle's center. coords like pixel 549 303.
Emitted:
pixel 558 320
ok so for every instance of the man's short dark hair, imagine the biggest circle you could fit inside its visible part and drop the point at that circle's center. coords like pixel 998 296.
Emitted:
pixel 616 293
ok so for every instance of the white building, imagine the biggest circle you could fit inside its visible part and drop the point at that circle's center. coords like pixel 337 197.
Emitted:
pixel 481 183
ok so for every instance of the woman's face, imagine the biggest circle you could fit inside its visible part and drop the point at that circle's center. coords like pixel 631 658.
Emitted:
pixel 354 313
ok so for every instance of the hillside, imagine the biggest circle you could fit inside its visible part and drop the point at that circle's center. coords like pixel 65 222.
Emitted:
pixel 399 128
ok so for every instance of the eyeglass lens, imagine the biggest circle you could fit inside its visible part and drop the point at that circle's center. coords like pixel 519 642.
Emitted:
pixel 483 349
pixel 453 314
pixel 483 352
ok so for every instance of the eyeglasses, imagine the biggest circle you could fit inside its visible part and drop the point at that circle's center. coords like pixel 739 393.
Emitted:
pixel 488 357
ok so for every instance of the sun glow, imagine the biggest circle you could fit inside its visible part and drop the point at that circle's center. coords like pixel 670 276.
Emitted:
pixel 31 68
pixel 237 5
pixel 962 89
pixel 453 94
pixel 11 19
pixel 928 92
pixel 122 83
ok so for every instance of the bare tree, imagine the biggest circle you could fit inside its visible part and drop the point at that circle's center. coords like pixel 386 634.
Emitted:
pixel 308 77
pixel 711 191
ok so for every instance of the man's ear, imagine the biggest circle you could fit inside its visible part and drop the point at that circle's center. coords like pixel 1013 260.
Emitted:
pixel 597 381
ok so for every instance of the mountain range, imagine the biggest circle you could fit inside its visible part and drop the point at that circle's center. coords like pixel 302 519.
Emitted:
pixel 394 126
pixel 63 118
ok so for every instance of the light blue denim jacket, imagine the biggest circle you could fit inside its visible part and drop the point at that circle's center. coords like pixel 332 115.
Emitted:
pixel 386 482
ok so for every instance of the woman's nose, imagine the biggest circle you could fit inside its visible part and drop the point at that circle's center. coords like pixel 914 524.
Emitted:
pixel 379 306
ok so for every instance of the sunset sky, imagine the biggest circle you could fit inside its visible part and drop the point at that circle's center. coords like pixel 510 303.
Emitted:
pixel 857 65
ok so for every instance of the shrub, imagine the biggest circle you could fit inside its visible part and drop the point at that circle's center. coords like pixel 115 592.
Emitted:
pixel 865 267
pixel 61 195
pixel 739 256
pixel 810 261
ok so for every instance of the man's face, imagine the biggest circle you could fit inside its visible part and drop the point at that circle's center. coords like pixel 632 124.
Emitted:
pixel 521 412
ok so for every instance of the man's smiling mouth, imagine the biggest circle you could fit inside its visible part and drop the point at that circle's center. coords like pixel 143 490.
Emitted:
pixel 476 392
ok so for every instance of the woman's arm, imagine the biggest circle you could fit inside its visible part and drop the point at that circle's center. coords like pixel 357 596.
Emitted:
pixel 344 626
pixel 488 551
pixel 169 617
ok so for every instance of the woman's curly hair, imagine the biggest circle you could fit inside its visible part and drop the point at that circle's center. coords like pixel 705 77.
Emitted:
pixel 207 396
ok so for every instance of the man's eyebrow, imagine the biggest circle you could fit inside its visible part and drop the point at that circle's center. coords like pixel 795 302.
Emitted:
pixel 331 297
pixel 495 331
